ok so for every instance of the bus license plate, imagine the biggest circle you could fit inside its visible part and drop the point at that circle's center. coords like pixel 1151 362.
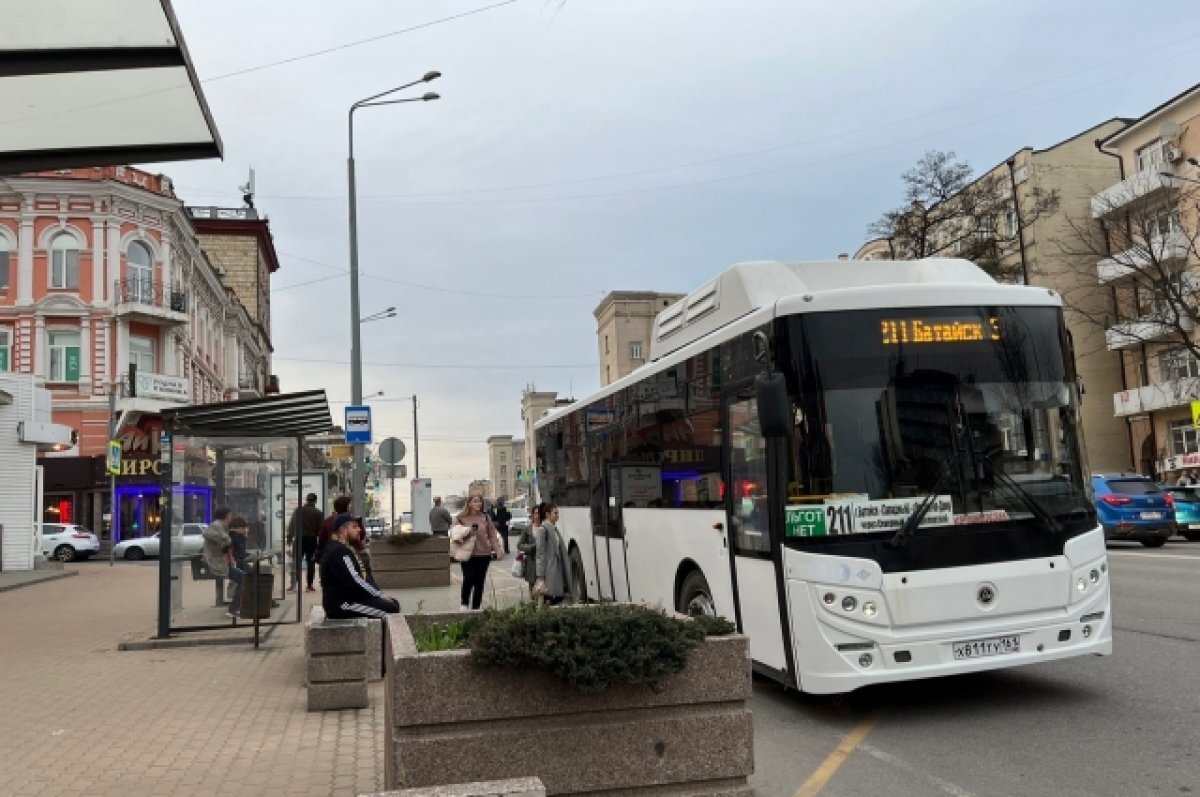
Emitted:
pixel 978 648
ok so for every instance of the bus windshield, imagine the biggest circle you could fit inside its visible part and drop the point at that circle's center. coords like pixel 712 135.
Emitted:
pixel 974 405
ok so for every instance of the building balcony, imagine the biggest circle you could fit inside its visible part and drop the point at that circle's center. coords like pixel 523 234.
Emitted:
pixel 1160 396
pixel 1127 334
pixel 1143 184
pixel 149 301
pixel 1171 248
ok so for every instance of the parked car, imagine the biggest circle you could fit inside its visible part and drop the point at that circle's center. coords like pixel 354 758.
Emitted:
pixel 1187 511
pixel 519 521
pixel 137 548
pixel 405 522
pixel 67 542
pixel 1133 507
pixel 375 526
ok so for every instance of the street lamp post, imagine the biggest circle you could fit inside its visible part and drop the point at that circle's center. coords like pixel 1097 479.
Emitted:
pixel 358 476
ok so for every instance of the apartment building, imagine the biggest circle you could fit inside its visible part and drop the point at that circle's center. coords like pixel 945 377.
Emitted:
pixel 1150 268
pixel 101 270
pixel 624 320
pixel 506 469
pixel 1034 240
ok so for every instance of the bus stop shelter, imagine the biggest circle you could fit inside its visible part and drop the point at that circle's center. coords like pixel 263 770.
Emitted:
pixel 249 454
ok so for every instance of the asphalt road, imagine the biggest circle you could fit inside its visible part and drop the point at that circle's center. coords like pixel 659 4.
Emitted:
pixel 1123 725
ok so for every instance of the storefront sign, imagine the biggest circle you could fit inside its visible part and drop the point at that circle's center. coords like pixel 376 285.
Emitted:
pixel 169 388
pixel 141 467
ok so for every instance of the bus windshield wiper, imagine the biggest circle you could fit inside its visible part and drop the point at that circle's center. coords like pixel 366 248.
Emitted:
pixel 1028 500
pixel 913 521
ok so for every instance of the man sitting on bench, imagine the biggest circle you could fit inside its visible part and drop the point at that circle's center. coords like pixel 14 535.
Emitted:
pixel 345 593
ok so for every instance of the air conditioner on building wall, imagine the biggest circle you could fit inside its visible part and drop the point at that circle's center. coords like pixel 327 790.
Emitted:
pixel 1172 153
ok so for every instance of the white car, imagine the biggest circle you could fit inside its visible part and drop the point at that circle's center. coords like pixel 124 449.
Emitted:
pixel 519 521
pixel 67 542
pixel 140 547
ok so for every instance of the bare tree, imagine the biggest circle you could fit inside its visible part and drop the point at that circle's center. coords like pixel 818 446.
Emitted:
pixel 1146 247
pixel 947 213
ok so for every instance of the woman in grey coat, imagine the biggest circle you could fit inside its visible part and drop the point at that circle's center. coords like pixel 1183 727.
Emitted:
pixel 552 565
pixel 218 546
pixel 527 545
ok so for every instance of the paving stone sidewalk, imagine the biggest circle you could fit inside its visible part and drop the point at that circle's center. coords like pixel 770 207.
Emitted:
pixel 81 717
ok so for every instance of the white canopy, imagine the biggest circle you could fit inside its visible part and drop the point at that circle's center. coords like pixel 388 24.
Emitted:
pixel 98 83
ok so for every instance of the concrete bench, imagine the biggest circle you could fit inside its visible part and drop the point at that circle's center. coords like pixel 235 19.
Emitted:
pixel 336 662
pixel 513 787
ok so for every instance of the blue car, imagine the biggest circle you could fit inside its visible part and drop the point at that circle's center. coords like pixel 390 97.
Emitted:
pixel 1187 510
pixel 1133 507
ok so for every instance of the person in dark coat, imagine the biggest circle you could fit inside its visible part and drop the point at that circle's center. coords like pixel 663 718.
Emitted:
pixel 500 516
pixel 345 591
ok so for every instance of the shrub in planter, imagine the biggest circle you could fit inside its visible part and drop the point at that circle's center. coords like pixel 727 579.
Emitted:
pixel 590 648
pixel 411 538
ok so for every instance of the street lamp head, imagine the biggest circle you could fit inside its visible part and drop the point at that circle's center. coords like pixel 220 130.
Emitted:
pixel 431 95
pixel 431 75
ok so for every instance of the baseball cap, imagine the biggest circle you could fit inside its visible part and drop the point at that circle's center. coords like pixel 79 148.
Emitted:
pixel 342 520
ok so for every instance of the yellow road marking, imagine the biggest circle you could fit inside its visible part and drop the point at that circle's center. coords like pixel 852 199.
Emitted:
pixel 817 780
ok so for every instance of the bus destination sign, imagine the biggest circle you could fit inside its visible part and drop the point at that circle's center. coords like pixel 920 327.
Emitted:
pixel 898 331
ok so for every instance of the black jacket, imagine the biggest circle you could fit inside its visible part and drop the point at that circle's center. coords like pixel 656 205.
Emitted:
pixel 344 587
pixel 500 517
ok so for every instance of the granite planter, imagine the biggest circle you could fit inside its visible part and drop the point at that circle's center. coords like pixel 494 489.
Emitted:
pixel 425 563
pixel 451 719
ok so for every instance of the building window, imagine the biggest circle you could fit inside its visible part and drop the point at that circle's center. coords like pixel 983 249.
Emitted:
pixel 3 262
pixel 1185 438
pixel 503 456
pixel 141 273
pixel 141 354
pixel 1162 222
pixel 1179 364
pixel 503 488
pixel 5 349
pixel 64 262
pixel 1012 224
pixel 607 374
pixel 635 350
pixel 503 470
pixel 606 344
pixel 64 357
pixel 986 228
pixel 1152 156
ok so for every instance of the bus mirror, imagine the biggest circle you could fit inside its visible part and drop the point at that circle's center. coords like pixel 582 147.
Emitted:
pixel 774 408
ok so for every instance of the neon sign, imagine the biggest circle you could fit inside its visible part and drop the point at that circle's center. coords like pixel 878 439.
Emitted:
pixel 898 331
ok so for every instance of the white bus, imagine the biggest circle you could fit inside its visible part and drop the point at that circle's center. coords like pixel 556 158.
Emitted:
pixel 875 469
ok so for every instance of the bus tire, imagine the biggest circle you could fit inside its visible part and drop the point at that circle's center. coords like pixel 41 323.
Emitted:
pixel 578 577
pixel 695 598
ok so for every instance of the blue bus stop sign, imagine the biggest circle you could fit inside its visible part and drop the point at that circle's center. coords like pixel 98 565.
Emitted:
pixel 358 424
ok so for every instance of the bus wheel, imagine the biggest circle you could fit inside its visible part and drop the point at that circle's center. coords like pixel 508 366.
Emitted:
pixel 578 578
pixel 695 598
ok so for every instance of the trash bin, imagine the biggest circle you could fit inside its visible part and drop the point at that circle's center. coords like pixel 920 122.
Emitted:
pixel 258 584
pixel 200 569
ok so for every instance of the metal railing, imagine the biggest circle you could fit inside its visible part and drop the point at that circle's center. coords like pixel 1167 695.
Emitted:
pixel 133 290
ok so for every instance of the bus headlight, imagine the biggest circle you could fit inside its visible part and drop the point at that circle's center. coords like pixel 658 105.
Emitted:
pixel 1081 584
pixel 868 608
pixel 829 598
pixel 866 660
pixel 849 603
pixel 1094 576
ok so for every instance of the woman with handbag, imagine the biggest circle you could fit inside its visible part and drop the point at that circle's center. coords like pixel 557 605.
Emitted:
pixel 552 562
pixel 474 542
pixel 527 545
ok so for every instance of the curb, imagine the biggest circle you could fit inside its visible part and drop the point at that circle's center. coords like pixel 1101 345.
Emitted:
pixel 50 575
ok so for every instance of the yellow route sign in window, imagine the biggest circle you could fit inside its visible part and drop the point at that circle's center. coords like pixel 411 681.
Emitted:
pixel 1196 414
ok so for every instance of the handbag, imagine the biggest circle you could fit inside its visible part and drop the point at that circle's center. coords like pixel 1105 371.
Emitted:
pixel 462 542
pixel 518 568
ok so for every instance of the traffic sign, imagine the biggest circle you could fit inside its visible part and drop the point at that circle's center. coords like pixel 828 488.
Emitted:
pixel 113 460
pixel 391 451
pixel 358 424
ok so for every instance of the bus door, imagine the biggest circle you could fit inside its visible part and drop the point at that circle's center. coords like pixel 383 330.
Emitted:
pixel 761 613
pixel 608 532
pixel 617 544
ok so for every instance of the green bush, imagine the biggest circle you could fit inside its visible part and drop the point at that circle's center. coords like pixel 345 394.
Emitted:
pixel 591 647
pixel 407 539
pixel 442 637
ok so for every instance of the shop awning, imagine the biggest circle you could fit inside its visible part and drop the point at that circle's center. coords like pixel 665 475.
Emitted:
pixel 280 415
pixel 99 83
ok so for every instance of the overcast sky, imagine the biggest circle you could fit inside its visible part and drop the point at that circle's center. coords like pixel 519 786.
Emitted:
pixel 594 145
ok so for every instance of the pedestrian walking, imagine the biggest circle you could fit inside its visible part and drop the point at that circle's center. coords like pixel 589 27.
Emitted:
pixel 527 547
pixel 345 591
pixel 218 549
pixel 306 523
pixel 476 540
pixel 551 558
pixel 500 516
pixel 440 520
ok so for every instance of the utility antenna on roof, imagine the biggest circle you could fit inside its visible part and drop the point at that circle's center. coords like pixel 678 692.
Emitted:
pixel 248 190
